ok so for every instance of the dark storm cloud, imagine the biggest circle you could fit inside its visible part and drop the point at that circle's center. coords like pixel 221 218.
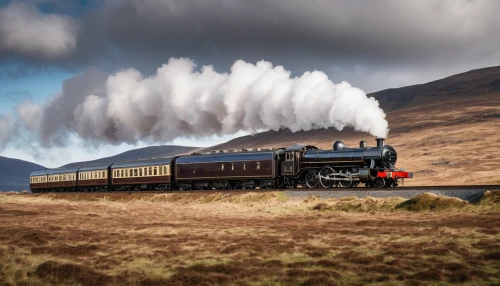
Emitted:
pixel 302 35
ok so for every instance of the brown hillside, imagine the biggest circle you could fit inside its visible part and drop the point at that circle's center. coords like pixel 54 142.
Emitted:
pixel 445 131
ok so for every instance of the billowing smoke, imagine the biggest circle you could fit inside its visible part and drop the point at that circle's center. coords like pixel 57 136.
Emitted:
pixel 180 101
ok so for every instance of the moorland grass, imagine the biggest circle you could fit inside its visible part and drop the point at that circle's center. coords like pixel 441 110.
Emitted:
pixel 247 239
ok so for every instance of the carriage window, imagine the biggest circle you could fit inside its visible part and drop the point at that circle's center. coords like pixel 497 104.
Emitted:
pixel 103 174
pixel 165 170
pixel 161 170
pixel 145 171
pixel 135 172
pixel 155 171
pixel 140 172
pixel 121 175
pixel 258 165
pixel 150 171
pixel 222 167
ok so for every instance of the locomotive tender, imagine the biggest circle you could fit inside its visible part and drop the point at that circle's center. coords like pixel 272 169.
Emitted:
pixel 289 167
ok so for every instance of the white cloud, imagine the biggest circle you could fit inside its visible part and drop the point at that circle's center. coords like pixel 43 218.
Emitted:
pixel 26 30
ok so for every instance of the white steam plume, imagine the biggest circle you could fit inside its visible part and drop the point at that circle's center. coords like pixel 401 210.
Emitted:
pixel 180 101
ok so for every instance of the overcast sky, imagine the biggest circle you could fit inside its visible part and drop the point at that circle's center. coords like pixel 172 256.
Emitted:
pixel 54 54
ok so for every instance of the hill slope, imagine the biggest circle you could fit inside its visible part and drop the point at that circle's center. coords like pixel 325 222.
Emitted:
pixel 467 85
pixel 445 131
pixel 141 153
pixel 15 173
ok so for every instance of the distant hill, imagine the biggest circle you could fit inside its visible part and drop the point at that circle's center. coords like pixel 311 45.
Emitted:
pixel 471 84
pixel 141 153
pixel 15 173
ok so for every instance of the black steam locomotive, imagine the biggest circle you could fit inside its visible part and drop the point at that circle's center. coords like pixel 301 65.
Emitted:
pixel 289 167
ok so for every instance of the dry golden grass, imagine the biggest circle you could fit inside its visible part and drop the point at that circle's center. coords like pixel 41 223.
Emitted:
pixel 247 239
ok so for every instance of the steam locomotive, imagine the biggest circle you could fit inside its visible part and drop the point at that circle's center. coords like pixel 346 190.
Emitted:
pixel 306 166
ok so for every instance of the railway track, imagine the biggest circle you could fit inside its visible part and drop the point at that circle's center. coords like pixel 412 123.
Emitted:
pixel 470 193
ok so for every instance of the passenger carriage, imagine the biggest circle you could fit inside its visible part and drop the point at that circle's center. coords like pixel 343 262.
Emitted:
pixel 94 178
pixel 38 181
pixel 229 170
pixel 62 179
pixel 148 174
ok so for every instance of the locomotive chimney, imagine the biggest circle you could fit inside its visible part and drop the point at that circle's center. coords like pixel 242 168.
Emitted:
pixel 380 142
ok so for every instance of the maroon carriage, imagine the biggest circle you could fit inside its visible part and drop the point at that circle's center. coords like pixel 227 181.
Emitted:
pixel 229 170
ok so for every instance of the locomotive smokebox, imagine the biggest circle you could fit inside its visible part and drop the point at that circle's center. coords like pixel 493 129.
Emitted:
pixel 380 142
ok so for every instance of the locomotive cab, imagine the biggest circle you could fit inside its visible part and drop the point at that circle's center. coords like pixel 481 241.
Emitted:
pixel 290 165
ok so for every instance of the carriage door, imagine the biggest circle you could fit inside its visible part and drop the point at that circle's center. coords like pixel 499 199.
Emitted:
pixel 288 166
